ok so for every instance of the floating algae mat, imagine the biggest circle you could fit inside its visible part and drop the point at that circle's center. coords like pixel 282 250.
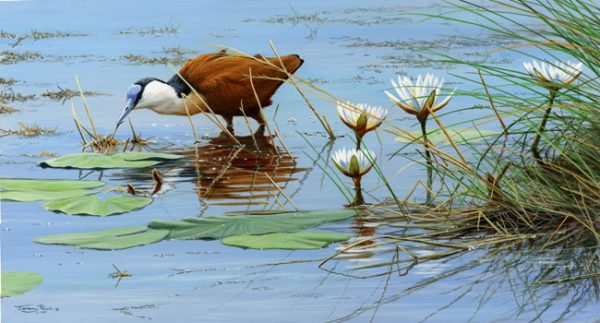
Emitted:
pixel 217 227
pixel 27 190
pixel 91 205
pixel 19 282
pixel 104 161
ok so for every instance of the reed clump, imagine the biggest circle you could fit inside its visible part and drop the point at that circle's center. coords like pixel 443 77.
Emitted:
pixel 536 183
pixel 28 131
pixel 92 139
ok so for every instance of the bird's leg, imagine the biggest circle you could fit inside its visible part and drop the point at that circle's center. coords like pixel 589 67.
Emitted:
pixel 229 120
pixel 261 123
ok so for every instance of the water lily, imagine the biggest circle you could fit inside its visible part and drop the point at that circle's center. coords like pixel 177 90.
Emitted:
pixel 419 97
pixel 354 163
pixel 361 117
pixel 554 76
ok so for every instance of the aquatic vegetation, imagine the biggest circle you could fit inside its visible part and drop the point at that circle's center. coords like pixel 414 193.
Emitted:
pixel 218 227
pixel 361 118
pixel 168 29
pixel 28 131
pixel 6 109
pixel 63 94
pixel 419 98
pixel 554 76
pixel 106 161
pixel 38 35
pixel 91 205
pixel 11 96
pixel 354 163
pixel 26 190
pixel 11 57
pixel 19 282
pixel 111 239
pixel 303 240
pixel 170 55
pixel 25 184
pixel 213 227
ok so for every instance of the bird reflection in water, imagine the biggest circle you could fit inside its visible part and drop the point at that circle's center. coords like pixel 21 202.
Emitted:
pixel 253 173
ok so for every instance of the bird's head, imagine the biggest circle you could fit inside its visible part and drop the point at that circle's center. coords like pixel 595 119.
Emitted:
pixel 134 94
pixel 148 93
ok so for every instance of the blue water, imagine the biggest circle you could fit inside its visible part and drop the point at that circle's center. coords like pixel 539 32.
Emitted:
pixel 205 281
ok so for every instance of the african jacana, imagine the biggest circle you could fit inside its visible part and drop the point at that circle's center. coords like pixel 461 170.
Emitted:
pixel 221 81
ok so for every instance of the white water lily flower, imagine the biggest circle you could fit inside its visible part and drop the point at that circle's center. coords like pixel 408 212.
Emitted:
pixel 352 162
pixel 554 75
pixel 361 117
pixel 419 97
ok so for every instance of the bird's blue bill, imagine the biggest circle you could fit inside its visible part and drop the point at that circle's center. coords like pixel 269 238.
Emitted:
pixel 132 94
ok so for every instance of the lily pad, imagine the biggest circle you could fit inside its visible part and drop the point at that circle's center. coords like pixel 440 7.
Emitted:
pixel 303 240
pixel 111 239
pixel 26 190
pixel 91 205
pixel 17 282
pixel 218 227
pixel 104 161
pixel 29 196
pixel 459 136
pixel 24 184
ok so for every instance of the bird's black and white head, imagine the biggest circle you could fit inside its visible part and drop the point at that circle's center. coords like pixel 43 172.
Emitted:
pixel 153 94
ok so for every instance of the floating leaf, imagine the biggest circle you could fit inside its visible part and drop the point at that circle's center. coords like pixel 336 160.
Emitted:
pixel 17 282
pixel 303 240
pixel 29 196
pixel 459 136
pixel 117 160
pixel 217 227
pixel 91 205
pixel 24 184
pixel 26 190
pixel 111 239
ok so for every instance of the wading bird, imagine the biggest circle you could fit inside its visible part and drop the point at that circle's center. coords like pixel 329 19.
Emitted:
pixel 219 82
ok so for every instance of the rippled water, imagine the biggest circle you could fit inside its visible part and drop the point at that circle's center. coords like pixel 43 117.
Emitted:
pixel 352 49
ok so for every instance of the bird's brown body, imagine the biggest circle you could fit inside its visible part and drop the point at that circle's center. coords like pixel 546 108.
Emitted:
pixel 223 82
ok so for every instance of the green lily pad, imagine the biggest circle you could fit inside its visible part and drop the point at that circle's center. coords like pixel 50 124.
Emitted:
pixel 117 160
pixel 24 184
pixel 303 240
pixel 459 136
pixel 91 205
pixel 111 239
pixel 218 227
pixel 26 190
pixel 17 282
pixel 29 196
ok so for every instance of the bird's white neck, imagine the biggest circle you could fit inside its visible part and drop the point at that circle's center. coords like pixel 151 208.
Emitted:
pixel 160 98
